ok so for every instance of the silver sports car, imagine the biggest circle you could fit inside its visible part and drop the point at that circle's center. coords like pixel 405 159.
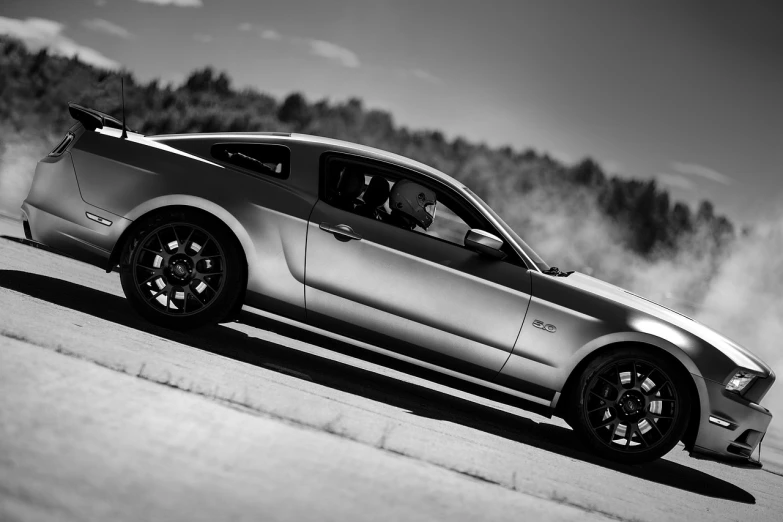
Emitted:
pixel 401 259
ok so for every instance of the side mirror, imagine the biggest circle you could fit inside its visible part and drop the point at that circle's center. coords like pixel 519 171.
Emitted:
pixel 484 243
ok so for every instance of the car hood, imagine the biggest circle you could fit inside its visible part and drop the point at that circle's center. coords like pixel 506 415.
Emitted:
pixel 740 355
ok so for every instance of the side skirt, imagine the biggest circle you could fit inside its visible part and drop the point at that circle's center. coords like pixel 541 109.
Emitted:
pixel 470 384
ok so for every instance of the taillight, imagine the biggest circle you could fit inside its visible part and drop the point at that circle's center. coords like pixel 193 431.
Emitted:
pixel 59 149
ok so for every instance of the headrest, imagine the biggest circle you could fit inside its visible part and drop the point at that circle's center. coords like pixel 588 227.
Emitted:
pixel 351 183
pixel 377 192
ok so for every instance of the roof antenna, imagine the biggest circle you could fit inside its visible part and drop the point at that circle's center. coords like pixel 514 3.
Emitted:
pixel 122 93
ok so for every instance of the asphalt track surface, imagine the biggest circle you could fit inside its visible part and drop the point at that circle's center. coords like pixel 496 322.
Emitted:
pixel 105 417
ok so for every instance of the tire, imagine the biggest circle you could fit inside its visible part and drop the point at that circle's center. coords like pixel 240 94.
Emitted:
pixel 182 269
pixel 608 403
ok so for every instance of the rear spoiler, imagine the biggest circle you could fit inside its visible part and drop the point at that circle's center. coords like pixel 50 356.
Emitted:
pixel 92 119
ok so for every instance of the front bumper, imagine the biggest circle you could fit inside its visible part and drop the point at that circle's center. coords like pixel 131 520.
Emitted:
pixel 731 427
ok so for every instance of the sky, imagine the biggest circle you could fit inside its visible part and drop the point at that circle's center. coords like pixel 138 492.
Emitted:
pixel 688 93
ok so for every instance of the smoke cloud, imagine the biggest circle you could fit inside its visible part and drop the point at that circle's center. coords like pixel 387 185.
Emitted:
pixel 570 231
pixel 19 153
pixel 745 302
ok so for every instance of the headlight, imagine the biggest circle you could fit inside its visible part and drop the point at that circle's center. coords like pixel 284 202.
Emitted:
pixel 740 381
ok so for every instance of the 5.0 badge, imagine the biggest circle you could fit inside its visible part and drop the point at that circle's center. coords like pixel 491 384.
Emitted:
pixel 548 327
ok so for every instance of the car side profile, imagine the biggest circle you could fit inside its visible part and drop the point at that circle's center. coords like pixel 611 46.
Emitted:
pixel 398 258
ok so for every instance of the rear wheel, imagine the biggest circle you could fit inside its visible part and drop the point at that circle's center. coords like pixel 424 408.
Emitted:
pixel 182 269
pixel 631 406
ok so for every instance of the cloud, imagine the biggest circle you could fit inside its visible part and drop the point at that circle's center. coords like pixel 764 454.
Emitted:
pixel 692 169
pixel 104 26
pixel 561 156
pixel 266 34
pixel 334 52
pixel 41 33
pixel 270 34
pixel 421 74
pixel 675 181
pixel 612 166
pixel 175 3
pixel 322 48
pixel 203 38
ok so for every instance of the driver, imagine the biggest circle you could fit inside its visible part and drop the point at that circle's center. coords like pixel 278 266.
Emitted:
pixel 411 205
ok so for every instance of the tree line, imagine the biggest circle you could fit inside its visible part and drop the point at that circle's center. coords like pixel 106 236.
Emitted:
pixel 36 87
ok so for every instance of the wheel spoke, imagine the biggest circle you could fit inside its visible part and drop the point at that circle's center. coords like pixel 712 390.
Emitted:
pixel 617 375
pixel 628 435
pixel 188 293
pixel 607 422
pixel 196 295
pixel 154 296
pixel 638 431
pixel 658 387
pixel 176 238
pixel 601 397
pixel 650 375
pixel 659 415
pixel 603 407
pixel 633 374
pixel 643 378
pixel 200 273
pixel 199 256
pixel 185 244
pixel 154 276
pixel 615 426
pixel 208 285
pixel 607 381
pixel 160 241
pixel 652 423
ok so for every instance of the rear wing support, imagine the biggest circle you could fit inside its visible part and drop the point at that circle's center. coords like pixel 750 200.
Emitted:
pixel 92 119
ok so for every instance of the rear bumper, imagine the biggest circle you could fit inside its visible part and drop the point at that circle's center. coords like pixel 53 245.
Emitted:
pixel 54 214
pixel 83 241
pixel 731 429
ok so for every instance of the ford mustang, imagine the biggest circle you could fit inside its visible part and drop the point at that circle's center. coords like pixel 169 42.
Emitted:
pixel 398 258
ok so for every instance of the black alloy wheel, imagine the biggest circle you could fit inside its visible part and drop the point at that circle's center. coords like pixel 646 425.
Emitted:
pixel 633 406
pixel 181 270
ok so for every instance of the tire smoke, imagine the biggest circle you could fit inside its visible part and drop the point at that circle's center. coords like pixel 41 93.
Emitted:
pixel 19 153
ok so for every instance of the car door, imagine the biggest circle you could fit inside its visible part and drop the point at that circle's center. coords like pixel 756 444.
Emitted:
pixel 420 295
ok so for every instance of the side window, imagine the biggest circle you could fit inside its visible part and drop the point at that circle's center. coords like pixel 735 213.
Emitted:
pixel 368 190
pixel 269 160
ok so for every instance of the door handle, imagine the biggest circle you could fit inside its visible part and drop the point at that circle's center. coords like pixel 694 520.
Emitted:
pixel 341 232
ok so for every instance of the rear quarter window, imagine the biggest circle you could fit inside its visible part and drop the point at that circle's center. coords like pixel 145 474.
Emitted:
pixel 265 159
pixel 60 148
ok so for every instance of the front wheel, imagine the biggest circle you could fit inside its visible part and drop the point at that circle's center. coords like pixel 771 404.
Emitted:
pixel 181 269
pixel 632 406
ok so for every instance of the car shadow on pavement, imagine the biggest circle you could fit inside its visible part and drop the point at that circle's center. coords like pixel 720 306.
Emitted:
pixel 418 400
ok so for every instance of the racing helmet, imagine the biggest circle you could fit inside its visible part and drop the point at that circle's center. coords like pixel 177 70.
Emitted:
pixel 414 202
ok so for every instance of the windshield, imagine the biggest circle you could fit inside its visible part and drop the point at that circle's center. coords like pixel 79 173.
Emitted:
pixel 540 263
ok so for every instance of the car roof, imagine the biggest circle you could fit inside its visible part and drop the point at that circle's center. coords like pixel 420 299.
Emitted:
pixel 328 144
